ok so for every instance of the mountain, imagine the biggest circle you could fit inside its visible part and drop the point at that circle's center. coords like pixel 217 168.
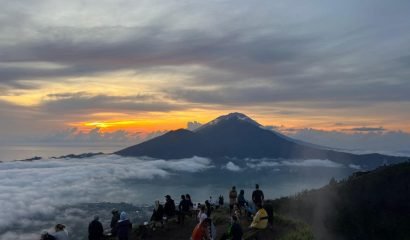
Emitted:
pixel 237 136
pixel 368 205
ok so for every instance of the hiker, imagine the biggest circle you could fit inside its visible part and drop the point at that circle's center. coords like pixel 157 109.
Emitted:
pixel 124 227
pixel 188 198
pixel 157 213
pixel 232 198
pixel 60 232
pixel 208 208
pixel 95 229
pixel 257 195
pixel 201 231
pixel 260 220
pixel 183 209
pixel 236 210
pixel 169 208
pixel 241 200
pixel 211 201
pixel 114 221
pixel 221 201
pixel 234 231
pixel 202 214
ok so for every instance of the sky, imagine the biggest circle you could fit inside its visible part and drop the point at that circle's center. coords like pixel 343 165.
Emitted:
pixel 115 70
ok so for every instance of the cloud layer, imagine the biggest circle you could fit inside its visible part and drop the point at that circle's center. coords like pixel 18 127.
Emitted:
pixel 32 191
pixel 313 62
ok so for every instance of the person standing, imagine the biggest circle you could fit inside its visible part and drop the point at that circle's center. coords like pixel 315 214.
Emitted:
pixel 95 229
pixel 183 208
pixel 114 222
pixel 169 207
pixel 257 196
pixel 124 227
pixel 232 198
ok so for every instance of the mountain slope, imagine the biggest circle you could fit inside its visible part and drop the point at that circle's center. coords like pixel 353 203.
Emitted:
pixel 368 205
pixel 237 136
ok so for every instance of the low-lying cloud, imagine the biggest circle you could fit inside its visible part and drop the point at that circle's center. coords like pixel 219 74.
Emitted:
pixel 268 163
pixel 31 191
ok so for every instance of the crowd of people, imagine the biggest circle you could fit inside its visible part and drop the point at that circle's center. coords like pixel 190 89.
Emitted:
pixel 204 230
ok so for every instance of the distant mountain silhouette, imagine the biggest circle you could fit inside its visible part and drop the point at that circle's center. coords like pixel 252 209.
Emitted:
pixel 237 136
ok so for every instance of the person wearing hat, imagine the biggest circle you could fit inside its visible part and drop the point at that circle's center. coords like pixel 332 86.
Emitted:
pixel 114 222
pixel 60 232
pixel 95 229
pixel 169 207
pixel 124 227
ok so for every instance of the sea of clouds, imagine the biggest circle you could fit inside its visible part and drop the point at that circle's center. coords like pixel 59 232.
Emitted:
pixel 35 195
pixel 32 192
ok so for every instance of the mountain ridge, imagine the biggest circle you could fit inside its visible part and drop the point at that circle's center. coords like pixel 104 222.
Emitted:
pixel 238 136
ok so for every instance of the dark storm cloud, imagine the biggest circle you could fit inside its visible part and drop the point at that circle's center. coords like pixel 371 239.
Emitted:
pixel 367 129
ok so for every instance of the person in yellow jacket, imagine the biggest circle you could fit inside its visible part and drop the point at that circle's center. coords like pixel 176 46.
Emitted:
pixel 260 220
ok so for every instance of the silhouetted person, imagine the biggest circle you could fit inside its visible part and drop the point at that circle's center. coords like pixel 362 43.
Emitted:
pixel 95 230
pixel 183 209
pixel 241 199
pixel 188 198
pixel 114 222
pixel 257 196
pixel 124 227
pixel 232 198
pixel 208 208
pixel 221 200
pixel 157 213
pixel 169 207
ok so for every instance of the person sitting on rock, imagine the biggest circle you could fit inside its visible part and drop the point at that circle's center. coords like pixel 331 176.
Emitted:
pixel 201 231
pixel 260 220
pixel 234 231
pixel 202 214
pixel 60 232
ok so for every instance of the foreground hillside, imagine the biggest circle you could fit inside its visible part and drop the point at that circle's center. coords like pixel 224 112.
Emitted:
pixel 368 205
pixel 283 229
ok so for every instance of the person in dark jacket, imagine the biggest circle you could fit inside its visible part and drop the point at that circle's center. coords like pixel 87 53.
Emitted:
pixel 158 212
pixel 188 198
pixel 257 196
pixel 124 227
pixel 95 230
pixel 169 208
pixel 183 208
pixel 114 222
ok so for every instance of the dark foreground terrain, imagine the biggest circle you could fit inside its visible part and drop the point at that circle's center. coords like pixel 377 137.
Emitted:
pixel 368 205
pixel 283 229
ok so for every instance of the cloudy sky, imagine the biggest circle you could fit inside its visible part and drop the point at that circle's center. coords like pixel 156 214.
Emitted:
pixel 142 67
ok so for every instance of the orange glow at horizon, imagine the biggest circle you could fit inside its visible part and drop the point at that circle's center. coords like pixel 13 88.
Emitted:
pixel 165 122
